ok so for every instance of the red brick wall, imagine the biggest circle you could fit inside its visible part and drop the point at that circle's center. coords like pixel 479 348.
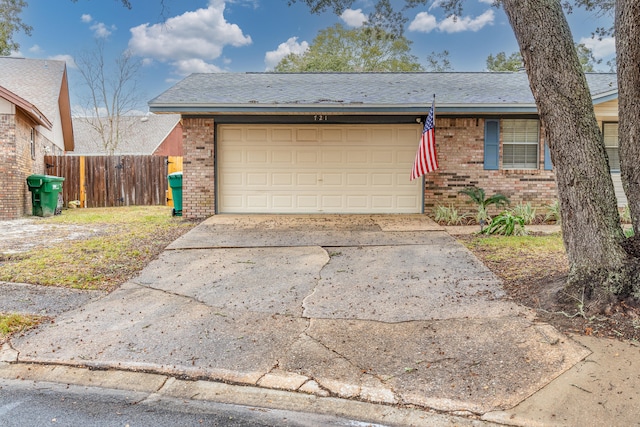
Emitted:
pixel 198 187
pixel 16 164
pixel 460 148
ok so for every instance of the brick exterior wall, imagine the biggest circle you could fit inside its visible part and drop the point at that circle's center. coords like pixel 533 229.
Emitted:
pixel 460 148
pixel 16 163
pixel 198 170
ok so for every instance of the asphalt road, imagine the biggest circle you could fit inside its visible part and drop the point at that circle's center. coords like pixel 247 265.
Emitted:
pixel 28 403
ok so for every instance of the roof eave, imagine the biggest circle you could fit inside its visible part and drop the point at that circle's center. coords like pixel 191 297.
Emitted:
pixel 334 108
pixel 29 109
pixel 605 97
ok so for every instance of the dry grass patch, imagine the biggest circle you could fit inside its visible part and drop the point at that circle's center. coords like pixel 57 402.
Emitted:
pixel 15 323
pixel 124 241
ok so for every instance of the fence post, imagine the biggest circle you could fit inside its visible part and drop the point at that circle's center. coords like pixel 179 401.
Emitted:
pixel 83 178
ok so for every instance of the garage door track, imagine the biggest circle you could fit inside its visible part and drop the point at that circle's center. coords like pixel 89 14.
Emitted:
pixel 386 309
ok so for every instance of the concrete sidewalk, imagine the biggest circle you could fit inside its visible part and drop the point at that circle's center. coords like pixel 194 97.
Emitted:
pixel 381 309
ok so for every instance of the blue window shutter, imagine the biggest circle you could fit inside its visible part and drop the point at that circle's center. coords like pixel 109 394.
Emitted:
pixel 547 157
pixel 491 144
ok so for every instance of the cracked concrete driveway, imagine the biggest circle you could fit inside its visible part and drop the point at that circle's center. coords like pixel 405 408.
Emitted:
pixel 387 309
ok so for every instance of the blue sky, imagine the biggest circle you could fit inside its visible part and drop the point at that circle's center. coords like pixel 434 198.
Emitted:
pixel 252 35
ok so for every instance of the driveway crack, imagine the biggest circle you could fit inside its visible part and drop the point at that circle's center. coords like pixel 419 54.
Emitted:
pixel 175 294
pixel 317 284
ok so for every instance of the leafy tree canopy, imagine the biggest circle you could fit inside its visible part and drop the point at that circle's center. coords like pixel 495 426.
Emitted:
pixel 11 23
pixel 361 49
pixel 513 62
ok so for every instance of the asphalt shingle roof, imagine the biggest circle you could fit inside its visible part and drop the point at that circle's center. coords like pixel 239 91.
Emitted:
pixel 38 81
pixel 141 135
pixel 218 91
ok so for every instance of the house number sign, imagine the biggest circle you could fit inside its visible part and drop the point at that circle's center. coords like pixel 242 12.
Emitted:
pixel 320 118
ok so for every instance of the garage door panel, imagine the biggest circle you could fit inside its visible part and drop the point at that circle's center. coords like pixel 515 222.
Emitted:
pixel 260 201
pixel 382 179
pixel 383 157
pixel 281 156
pixel 307 135
pixel 256 135
pixel 360 156
pixel 331 135
pixel 258 179
pixel 282 134
pixel 307 179
pixel 332 180
pixel 346 169
pixel 282 179
pixel 309 157
pixel 357 179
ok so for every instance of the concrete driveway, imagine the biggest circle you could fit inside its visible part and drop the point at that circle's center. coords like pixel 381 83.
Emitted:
pixel 385 309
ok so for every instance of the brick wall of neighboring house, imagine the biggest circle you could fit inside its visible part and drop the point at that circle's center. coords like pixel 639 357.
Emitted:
pixel 10 191
pixel 17 162
pixel 460 148
pixel 198 191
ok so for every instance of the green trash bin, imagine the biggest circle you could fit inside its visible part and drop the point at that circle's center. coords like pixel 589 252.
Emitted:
pixel 175 182
pixel 45 194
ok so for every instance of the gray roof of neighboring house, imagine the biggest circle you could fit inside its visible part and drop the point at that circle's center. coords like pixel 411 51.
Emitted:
pixel 141 135
pixel 36 80
pixel 380 92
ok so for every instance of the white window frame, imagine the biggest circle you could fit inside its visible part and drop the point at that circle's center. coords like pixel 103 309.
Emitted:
pixel 530 139
pixel 611 144
pixel 33 143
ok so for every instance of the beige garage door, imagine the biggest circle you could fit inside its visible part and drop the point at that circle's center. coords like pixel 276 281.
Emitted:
pixel 317 169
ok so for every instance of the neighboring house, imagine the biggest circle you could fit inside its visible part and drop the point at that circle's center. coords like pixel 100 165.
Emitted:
pixel 35 120
pixel 153 134
pixel 346 142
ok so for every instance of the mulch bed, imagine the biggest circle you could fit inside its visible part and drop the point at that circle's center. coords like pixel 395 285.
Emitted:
pixel 536 282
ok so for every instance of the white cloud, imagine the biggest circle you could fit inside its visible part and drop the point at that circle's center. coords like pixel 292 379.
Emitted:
pixel 487 1
pixel 101 31
pixel 425 23
pixel 601 48
pixel 86 18
pixel 71 63
pixel 184 67
pixel 189 40
pixel 35 49
pixel 354 18
pixel 272 58
pixel 458 24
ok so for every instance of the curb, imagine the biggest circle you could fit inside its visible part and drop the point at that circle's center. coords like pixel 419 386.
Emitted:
pixel 200 390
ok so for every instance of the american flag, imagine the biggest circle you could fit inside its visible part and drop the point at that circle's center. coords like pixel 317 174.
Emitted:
pixel 426 159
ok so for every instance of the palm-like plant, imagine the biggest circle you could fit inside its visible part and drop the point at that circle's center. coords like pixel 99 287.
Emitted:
pixel 479 197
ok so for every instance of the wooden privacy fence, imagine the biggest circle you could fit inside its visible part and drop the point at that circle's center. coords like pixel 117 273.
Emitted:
pixel 105 181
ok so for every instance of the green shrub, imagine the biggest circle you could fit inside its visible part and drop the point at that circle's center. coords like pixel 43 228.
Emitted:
pixel 449 215
pixel 625 217
pixel 526 212
pixel 629 232
pixel 553 212
pixel 479 197
pixel 507 224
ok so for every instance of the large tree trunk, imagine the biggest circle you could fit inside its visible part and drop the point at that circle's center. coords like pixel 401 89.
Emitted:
pixel 627 29
pixel 600 268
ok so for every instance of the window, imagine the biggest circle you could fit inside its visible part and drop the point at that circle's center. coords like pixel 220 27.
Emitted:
pixel 33 144
pixel 520 142
pixel 610 134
